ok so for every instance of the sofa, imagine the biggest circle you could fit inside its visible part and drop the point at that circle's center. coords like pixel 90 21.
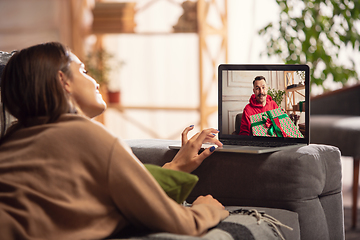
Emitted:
pixel 335 120
pixel 306 180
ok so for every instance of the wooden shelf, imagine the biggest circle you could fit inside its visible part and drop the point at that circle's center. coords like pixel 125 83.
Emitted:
pixel 204 31
pixel 295 88
pixel 290 99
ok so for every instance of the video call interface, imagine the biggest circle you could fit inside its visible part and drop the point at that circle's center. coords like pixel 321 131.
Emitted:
pixel 286 118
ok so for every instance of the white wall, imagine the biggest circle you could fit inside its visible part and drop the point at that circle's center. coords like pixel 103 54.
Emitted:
pixel 245 19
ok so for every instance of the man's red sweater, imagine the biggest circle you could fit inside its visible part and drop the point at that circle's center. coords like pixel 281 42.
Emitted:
pixel 254 108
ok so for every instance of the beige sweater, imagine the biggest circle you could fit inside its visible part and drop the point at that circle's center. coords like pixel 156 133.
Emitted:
pixel 74 180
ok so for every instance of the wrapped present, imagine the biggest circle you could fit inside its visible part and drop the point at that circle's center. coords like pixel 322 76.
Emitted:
pixel 274 123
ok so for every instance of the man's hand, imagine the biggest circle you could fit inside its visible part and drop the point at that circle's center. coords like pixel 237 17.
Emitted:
pixel 188 157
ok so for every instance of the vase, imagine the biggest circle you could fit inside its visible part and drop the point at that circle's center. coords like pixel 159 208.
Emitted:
pixel 114 97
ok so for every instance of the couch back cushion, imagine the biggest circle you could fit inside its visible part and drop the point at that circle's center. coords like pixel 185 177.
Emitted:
pixel 344 101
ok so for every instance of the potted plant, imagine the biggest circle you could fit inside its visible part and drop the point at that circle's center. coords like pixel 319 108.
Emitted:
pixel 97 67
pixel 98 64
pixel 276 95
pixel 113 85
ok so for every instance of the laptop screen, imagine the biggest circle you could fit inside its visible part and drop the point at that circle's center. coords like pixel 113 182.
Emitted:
pixel 263 102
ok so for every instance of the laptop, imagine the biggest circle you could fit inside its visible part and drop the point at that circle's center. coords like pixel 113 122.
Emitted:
pixel 235 87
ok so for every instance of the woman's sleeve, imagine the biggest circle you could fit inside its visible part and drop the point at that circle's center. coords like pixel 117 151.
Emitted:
pixel 144 203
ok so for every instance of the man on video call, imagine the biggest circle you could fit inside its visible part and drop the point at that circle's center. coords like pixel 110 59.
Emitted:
pixel 259 102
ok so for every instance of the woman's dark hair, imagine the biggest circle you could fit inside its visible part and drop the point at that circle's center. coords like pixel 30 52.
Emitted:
pixel 30 86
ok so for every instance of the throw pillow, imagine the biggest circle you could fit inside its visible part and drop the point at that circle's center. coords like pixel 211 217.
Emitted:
pixel 176 184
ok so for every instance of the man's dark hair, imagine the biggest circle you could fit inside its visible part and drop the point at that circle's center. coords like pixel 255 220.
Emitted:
pixel 258 78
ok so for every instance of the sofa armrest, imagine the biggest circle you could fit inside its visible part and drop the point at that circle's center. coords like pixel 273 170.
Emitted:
pixel 306 180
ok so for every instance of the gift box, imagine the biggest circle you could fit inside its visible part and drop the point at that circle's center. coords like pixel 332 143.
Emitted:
pixel 274 123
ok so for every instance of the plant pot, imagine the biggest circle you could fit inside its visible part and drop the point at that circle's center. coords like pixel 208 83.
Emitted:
pixel 114 97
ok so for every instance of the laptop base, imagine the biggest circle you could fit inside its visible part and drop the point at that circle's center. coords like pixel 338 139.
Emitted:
pixel 245 149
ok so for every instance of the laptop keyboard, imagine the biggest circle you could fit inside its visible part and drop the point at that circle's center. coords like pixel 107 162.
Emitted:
pixel 254 143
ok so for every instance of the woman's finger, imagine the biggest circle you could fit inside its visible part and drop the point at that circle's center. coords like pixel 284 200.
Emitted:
pixel 205 135
pixel 206 153
pixel 184 138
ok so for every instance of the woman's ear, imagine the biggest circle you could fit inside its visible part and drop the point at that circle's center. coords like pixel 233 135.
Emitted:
pixel 65 81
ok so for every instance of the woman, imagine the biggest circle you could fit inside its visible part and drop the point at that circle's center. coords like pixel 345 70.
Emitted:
pixel 63 176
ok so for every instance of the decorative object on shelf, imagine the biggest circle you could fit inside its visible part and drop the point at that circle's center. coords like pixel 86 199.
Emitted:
pixel 276 95
pixel 114 85
pixel 294 117
pixel 188 20
pixel 114 17
pixel 114 96
pixel 292 86
pixel 299 107
pixel 295 85
pixel 274 123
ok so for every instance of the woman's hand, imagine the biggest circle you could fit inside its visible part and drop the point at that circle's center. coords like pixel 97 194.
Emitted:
pixel 208 199
pixel 188 157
